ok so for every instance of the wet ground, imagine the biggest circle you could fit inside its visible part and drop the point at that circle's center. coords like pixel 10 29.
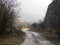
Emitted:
pixel 33 38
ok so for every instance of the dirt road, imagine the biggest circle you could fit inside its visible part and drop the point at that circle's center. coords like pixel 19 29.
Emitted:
pixel 33 38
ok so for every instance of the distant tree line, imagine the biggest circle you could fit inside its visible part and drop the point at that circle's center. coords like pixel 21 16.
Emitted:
pixel 52 18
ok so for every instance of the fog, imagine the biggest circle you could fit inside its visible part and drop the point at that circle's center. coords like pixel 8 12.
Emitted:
pixel 33 10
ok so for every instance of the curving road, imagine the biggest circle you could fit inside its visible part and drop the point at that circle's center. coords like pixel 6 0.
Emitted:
pixel 33 38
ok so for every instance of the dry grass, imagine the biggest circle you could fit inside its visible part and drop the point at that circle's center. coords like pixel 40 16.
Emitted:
pixel 12 39
pixel 51 36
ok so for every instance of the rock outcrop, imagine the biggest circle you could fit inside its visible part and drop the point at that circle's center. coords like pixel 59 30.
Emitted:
pixel 52 19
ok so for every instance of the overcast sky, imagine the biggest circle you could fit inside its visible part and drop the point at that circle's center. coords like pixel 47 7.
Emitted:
pixel 33 10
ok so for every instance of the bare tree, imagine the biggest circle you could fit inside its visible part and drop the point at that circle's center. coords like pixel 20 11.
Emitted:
pixel 7 16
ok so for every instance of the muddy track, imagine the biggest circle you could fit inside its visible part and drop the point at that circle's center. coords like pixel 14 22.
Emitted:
pixel 33 38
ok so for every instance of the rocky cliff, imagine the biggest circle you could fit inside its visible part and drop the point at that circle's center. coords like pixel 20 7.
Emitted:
pixel 52 19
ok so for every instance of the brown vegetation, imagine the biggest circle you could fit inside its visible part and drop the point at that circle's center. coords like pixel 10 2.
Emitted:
pixel 8 33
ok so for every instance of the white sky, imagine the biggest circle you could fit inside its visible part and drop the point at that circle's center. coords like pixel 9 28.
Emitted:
pixel 33 10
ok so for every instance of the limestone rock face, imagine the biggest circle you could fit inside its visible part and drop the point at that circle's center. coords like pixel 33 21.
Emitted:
pixel 52 19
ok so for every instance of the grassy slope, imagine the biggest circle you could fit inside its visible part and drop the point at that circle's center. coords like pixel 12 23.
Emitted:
pixel 12 39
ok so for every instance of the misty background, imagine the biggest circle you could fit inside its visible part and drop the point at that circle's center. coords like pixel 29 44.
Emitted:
pixel 32 10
